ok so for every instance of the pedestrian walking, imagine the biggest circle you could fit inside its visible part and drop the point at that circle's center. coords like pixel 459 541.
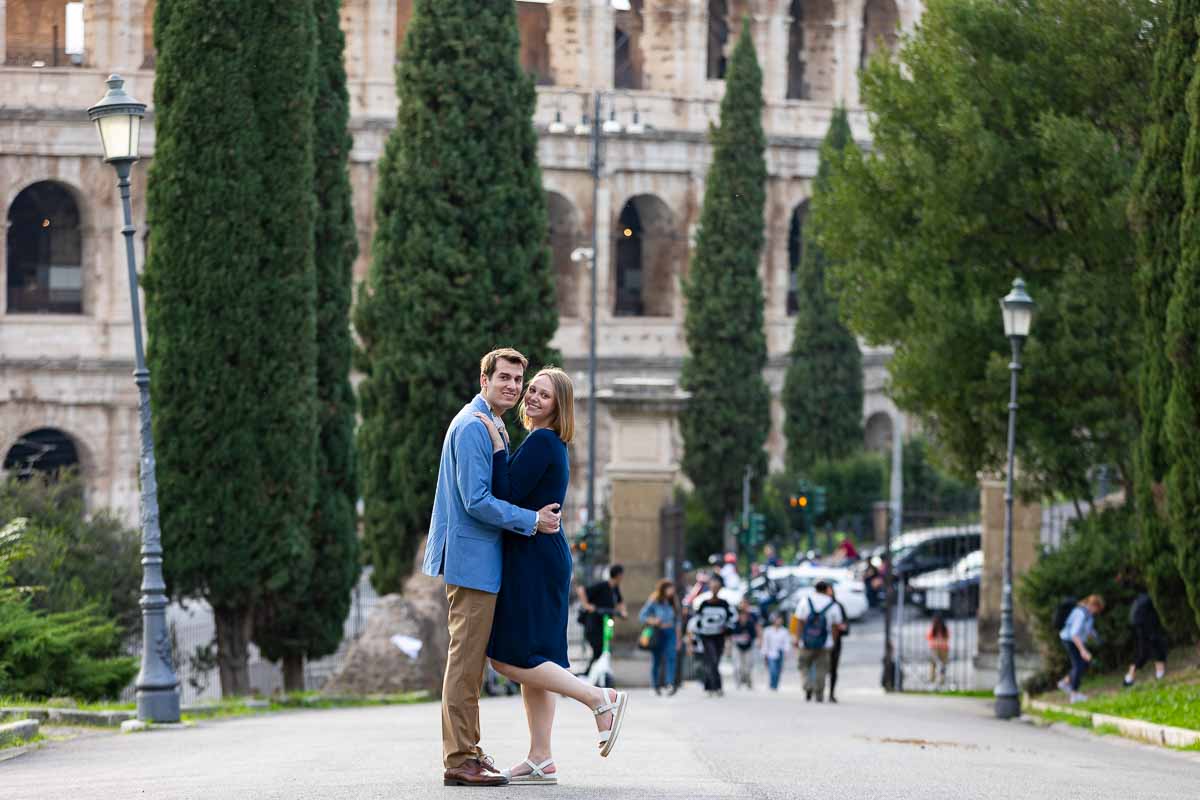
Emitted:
pixel 600 599
pixel 1149 639
pixel 775 642
pixel 712 623
pixel 815 639
pixel 746 632
pixel 659 613
pixel 1079 627
pixel 839 632
pixel 938 639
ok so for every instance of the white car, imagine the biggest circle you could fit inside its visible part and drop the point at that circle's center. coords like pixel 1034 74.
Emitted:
pixel 847 589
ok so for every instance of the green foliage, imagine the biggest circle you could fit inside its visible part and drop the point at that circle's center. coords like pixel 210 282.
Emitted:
pixel 853 484
pixel 1182 340
pixel 1156 207
pixel 230 299
pixel 459 262
pixel 929 489
pixel 823 388
pixel 1163 704
pixel 1095 558
pixel 307 617
pixel 727 419
pixel 1005 136
pixel 72 560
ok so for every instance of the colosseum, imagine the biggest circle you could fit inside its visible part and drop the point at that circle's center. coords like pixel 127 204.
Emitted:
pixel 657 67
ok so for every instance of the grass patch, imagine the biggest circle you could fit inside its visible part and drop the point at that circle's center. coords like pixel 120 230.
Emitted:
pixel 19 701
pixel 244 706
pixel 1062 716
pixel 22 742
pixel 979 694
pixel 1106 729
pixel 1175 704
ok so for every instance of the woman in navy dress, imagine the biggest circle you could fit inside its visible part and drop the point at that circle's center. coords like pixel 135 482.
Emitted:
pixel 529 632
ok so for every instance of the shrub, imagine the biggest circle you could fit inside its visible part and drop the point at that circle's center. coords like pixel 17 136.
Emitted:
pixel 1096 557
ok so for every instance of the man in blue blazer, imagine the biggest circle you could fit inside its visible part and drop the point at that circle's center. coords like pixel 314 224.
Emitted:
pixel 464 546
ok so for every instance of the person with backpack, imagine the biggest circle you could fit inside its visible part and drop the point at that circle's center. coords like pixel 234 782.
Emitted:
pixel 1148 638
pixel 1080 626
pixel 658 615
pixel 816 621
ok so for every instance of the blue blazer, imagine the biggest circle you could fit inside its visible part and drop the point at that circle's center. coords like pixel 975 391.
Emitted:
pixel 467 521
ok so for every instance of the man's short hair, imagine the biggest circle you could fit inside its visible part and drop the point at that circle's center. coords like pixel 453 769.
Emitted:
pixel 616 571
pixel 822 587
pixel 487 364
pixel 716 579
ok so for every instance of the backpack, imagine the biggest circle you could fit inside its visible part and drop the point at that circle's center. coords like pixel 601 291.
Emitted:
pixel 1062 611
pixel 816 630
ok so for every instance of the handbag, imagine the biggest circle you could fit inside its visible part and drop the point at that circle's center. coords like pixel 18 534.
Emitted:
pixel 649 638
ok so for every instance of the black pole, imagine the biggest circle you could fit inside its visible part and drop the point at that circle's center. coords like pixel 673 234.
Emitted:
pixel 1008 701
pixel 157 684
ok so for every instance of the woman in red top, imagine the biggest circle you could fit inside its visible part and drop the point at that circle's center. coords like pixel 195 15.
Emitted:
pixel 938 638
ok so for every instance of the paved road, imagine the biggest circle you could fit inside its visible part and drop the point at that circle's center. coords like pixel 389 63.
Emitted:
pixel 753 745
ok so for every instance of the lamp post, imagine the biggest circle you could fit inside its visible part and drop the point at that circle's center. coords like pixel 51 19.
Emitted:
pixel 1017 308
pixel 118 119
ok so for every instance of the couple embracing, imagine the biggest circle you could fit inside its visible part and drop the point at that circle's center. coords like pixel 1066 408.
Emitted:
pixel 495 535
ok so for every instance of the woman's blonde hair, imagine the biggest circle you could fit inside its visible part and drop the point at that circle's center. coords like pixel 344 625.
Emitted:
pixel 564 403
pixel 1095 601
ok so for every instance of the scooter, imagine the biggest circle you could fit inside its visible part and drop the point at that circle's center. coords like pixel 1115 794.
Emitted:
pixel 601 673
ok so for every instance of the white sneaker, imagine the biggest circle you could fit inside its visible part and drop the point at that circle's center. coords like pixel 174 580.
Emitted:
pixel 1064 685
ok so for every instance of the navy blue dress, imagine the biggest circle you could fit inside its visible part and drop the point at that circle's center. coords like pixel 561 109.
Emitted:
pixel 530 626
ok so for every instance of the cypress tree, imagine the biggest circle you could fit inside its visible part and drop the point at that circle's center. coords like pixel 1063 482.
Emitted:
pixel 459 264
pixel 823 390
pixel 1156 207
pixel 230 296
pixel 306 618
pixel 1183 348
pixel 728 417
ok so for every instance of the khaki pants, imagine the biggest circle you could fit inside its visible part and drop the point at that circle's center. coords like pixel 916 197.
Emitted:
pixel 814 666
pixel 470 621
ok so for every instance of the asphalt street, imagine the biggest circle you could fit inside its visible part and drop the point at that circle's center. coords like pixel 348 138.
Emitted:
pixel 749 744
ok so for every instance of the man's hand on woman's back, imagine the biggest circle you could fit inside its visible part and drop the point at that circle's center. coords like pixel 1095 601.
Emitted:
pixel 549 518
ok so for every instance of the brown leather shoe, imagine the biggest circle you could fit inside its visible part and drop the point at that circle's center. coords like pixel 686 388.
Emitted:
pixel 473 773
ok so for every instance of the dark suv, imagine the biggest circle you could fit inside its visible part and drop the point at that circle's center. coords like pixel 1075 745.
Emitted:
pixel 925 551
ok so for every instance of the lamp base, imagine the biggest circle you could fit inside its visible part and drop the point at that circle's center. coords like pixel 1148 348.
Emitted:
pixel 158 705
pixel 1008 706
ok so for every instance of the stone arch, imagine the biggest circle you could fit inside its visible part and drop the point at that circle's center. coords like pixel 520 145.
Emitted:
pixel 35 33
pixel 533 23
pixel 564 236
pixel 881 29
pixel 647 251
pixel 718 39
pixel 812 50
pixel 795 254
pixel 45 450
pixel 627 46
pixel 878 432
pixel 404 12
pixel 44 251
pixel 149 54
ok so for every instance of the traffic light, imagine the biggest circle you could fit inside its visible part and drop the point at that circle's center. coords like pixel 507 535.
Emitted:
pixel 818 501
pixel 758 529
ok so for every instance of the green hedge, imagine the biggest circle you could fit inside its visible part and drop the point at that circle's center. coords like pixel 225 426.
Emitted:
pixel 1096 557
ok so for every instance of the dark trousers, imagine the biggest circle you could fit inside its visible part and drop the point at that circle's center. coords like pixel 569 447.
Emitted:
pixel 835 655
pixel 1148 643
pixel 714 648
pixel 593 634
pixel 1078 665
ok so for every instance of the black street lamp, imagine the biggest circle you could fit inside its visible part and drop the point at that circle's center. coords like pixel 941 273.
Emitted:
pixel 1017 307
pixel 118 119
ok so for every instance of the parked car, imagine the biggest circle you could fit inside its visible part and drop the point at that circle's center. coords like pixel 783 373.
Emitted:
pixel 953 591
pixel 799 583
pixel 920 552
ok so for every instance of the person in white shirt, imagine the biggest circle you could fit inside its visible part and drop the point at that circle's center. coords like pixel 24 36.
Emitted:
pixel 775 642
pixel 816 619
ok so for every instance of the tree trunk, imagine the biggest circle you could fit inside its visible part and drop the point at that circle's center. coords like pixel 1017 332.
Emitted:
pixel 233 649
pixel 293 672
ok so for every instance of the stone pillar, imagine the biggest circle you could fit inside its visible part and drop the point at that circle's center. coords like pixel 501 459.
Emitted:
pixel 642 472
pixel 3 31
pixel 1027 528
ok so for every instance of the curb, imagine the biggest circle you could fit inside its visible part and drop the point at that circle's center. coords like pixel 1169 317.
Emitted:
pixel 69 716
pixel 18 731
pixel 1153 733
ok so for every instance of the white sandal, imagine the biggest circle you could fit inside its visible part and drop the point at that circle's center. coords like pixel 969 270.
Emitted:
pixel 619 704
pixel 537 776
